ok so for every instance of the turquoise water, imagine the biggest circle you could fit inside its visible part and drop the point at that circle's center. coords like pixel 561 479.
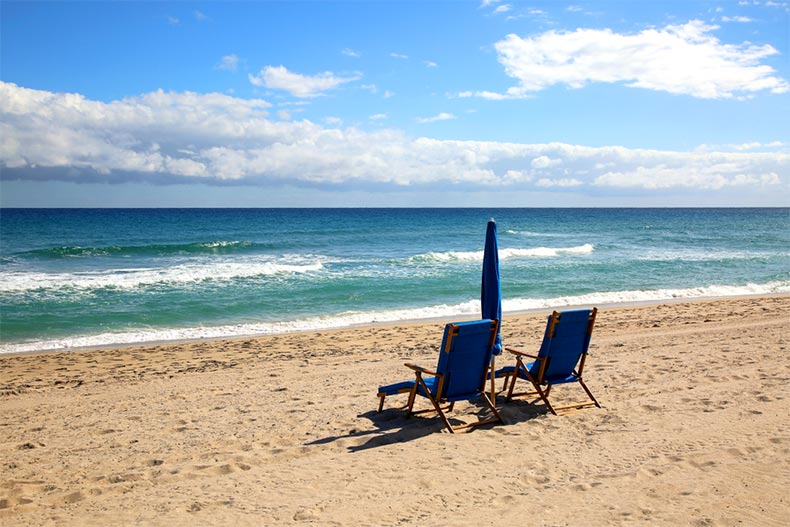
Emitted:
pixel 86 277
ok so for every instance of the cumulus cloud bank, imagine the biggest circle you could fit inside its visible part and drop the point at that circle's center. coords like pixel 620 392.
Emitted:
pixel 680 59
pixel 213 138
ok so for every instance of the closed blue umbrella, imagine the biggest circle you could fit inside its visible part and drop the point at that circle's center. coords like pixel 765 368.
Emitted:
pixel 491 291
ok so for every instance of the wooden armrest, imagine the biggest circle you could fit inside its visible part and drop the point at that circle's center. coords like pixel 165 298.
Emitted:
pixel 519 352
pixel 420 369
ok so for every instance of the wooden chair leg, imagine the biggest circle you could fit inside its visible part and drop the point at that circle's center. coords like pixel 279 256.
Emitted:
pixel 444 417
pixel 435 403
pixel 493 408
pixel 381 401
pixel 589 394
pixel 514 377
pixel 412 395
pixel 491 373
pixel 512 385
pixel 545 397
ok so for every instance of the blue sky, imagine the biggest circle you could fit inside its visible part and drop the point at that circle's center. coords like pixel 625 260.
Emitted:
pixel 490 103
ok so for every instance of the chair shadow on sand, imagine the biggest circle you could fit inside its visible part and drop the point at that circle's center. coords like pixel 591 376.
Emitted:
pixel 392 425
pixel 459 377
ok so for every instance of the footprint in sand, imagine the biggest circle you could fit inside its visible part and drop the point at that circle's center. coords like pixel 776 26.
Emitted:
pixel 73 497
pixel 7 503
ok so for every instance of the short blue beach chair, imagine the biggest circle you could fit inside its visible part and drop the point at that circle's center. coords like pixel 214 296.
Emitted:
pixel 460 373
pixel 560 359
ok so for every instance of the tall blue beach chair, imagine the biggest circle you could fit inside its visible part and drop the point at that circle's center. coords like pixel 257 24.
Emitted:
pixel 460 374
pixel 560 359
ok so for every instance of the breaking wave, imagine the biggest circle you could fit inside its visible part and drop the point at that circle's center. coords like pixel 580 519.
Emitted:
pixel 504 254
pixel 20 282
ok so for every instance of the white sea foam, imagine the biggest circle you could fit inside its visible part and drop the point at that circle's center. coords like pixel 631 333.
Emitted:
pixel 468 310
pixel 214 245
pixel 20 282
pixel 691 255
pixel 545 252
pixel 504 254
pixel 535 234
pixel 638 296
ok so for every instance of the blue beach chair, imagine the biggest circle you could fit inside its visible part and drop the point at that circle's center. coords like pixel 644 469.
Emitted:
pixel 560 359
pixel 460 373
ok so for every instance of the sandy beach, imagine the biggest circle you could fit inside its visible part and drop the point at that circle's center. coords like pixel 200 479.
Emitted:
pixel 282 430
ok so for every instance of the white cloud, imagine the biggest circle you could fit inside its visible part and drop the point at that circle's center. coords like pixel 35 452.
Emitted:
pixel 544 162
pixel 561 182
pixel 378 117
pixel 228 63
pixel 200 16
pixel 752 146
pixel 388 94
pixel 173 20
pixel 430 64
pixel 279 78
pixel 168 137
pixel 399 56
pixel 333 121
pixel 504 8
pixel 679 59
pixel 444 116
pixel 736 19
pixel 351 53
pixel 298 103
pixel 704 177
pixel 517 176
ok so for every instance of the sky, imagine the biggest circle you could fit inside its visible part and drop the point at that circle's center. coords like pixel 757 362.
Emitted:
pixel 491 103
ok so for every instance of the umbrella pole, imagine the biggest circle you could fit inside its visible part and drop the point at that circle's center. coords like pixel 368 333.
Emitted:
pixel 493 381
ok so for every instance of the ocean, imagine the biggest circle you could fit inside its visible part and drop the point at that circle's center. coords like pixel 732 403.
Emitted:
pixel 72 278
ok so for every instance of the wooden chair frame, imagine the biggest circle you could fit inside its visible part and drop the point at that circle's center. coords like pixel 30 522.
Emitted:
pixel 538 381
pixel 437 402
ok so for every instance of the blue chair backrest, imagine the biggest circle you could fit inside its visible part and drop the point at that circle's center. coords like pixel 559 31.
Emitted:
pixel 465 358
pixel 565 340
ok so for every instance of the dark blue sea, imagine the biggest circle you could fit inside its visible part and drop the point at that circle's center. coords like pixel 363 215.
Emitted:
pixel 95 277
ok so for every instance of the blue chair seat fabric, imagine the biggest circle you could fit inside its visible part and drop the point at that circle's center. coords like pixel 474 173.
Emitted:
pixel 430 382
pixel 407 386
pixel 533 369
pixel 400 387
